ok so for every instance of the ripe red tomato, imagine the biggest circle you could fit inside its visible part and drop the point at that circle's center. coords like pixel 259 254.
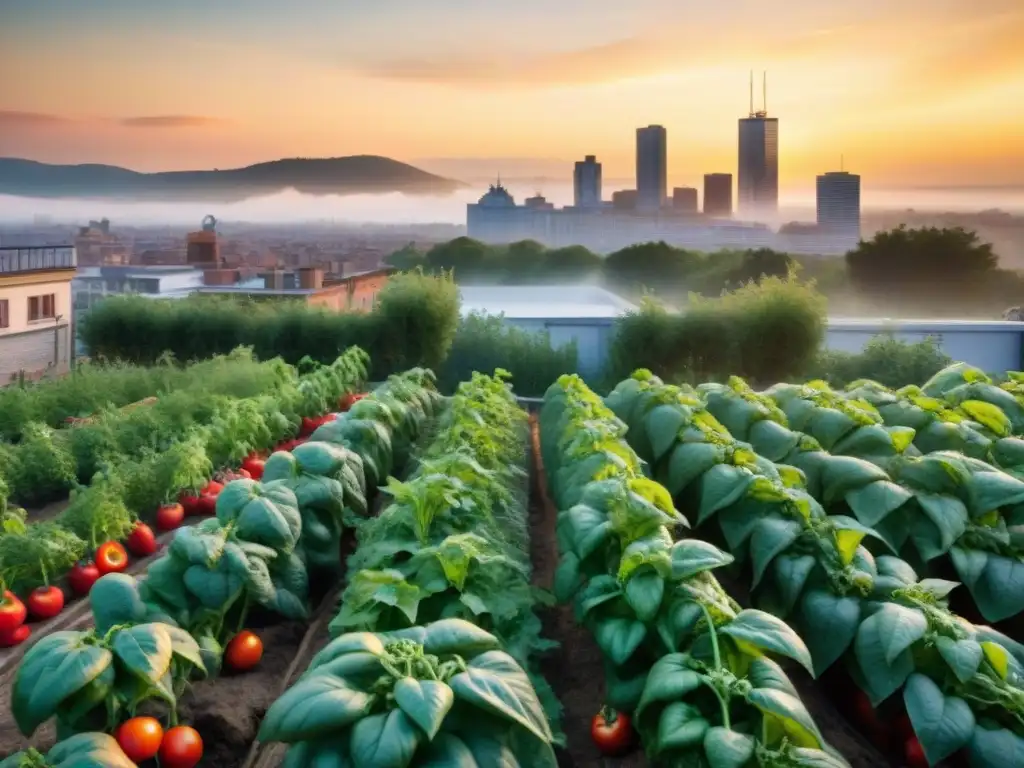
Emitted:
pixel 170 516
pixel 140 738
pixel 111 558
pixel 208 498
pixel 611 732
pixel 189 503
pixel 12 612
pixel 83 576
pixel 866 714
pixel 904 727
pixel 253 464
pixel 182 747
pixel 45 602
pixel 142 541
pixel 913 753
pixel 16 636
pixel 244 651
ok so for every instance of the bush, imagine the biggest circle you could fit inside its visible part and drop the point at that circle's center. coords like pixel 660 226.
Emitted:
pixel 413 324
pixel 486 342
pixel 763 332
pixel 884 359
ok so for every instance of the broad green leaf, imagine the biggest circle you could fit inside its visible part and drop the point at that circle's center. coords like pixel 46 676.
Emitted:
pixel 900 627
pixel 830 624
pixel 943 724
pixel 457 636
pixel 88 750
pixel 765 673
pixel 445 751
pixel 387 740
pixel 760 630
pixel 618 638
pixel 644 592
pixel 999 591
pixel 771 537
pixel 871 647
pixel 145 649
pixel 947 514
pixel 317 754
pixel 995 748
pixel 725 748
pixel 598 591
pixel 315 707
pixel 998 657
pixel 66 669
pixel 567 577
pixel 680 727
pixel 722 486
pixel 688 462
pixel 790 713
pixel 669 679
pixel 962 656
pixel 426 702
pixel 791 572
pixel 114 599
pixel 662 425
pixel 939 588
pixel 849 535
pixel 693 556
pixel 353 642
pixel 875 501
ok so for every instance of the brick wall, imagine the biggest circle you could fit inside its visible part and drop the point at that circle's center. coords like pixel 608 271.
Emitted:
pixel 33 352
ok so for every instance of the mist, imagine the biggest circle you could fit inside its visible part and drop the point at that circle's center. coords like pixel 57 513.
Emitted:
pixel 396 208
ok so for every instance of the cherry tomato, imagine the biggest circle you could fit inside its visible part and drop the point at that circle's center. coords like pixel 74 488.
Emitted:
pixel 83 576
pixel 189 503
pixel 182 747
pixel 170 516
pixel 12 612
pixel 111 558
pixel 140 738
pixel 142 541
pixel 45 602
pixel 253 464
pixel 244 651
pixel 913 753
pixel 612 732
pixel 208 498
pixel 16 636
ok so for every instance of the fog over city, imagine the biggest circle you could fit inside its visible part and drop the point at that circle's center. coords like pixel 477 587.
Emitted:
pixel 397 208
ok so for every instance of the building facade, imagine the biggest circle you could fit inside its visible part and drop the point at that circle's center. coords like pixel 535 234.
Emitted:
pixel 586 180
pixel 684 200
pixel 651 168
pixel 35 311
pixel 838 205
pixel 718 194
pixel 757 187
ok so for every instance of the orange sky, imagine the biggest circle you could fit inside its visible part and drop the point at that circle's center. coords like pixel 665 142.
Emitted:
pixel 909 92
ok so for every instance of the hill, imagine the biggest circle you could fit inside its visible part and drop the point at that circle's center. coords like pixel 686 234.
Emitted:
pixel 359 174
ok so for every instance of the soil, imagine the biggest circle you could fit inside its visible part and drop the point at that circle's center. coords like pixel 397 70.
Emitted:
pixel 47 511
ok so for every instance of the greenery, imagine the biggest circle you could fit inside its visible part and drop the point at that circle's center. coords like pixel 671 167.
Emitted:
pixel 884 359
pixel 413 324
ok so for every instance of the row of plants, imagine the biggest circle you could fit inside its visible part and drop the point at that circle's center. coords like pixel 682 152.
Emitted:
pixel 185 616
pixel 433 645
pixel 83 542
pixel 816 532
pixel 683 660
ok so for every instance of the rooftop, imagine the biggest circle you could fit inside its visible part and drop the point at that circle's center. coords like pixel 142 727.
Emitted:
pixel 543 301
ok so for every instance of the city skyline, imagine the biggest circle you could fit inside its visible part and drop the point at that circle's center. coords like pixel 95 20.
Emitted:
pixel 193 85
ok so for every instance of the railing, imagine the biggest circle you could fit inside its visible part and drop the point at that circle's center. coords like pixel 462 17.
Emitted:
pixel 36 259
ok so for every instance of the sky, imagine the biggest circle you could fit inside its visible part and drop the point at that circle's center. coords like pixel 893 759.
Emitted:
pixel 904 92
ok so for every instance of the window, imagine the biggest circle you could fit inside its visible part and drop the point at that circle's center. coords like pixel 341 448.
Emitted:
pixel 42 307
pixel 5 320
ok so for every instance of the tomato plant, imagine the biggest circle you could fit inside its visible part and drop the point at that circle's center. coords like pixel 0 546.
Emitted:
pixel 170 516
pixel 12 611
pixel 182 747
pixel 244 651
pixel 16 636
pixel 140 738
pixel 142 541
pixel 83 576
pixel 111 557
pixel 611 732
pixel 45 602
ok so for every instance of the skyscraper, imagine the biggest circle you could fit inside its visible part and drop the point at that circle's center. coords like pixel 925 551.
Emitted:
pixel 718 194
pixel 684 199
pixel 758 179
pixel 839 205
pixel 651 168
pixel 587 183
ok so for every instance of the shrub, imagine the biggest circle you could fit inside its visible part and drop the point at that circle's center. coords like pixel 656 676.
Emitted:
pixel 884 359
pixel 486 342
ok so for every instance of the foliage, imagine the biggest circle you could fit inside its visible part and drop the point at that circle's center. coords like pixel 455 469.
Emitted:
pixel 884 359
pixel 678 651
pixel 78 751
pixel 38 553
pixel 759 264
pixel 40 468
pixel 486 342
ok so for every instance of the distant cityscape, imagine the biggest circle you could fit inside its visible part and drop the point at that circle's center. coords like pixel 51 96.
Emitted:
pixel 649 212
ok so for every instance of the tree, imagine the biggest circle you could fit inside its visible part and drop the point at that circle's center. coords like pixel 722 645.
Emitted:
pixel 759 264
pixel 651 265
pixel 524 261
pixel 406 258
pixel 573 262
pixel 927 259
pixel 463 254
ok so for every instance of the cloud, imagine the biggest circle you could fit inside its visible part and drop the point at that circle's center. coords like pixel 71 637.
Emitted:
pixel 169 121
pixel 14 118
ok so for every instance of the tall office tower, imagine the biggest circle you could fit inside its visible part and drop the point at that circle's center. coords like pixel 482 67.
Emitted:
pixel 587 183
pixel 839 204
pixel 651 168
pixel 758 179
pixel 718 194
pixel 684 199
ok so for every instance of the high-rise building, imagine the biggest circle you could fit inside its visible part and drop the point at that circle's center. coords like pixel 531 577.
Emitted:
pixel 757 187
pixel 651 168
pixel 587 183
pixel 203 247
pixel 839 204
pixel 718 194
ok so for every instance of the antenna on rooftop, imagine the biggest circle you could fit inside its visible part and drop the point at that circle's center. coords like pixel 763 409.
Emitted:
pixel 764 93
pixel 751 93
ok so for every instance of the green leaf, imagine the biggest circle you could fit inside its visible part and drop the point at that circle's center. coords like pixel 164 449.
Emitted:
pixel 999 591
pixel 900 626
pixel 426 702
pixel 830 624
pixel 693 556
pixel 387 740
pixel 597 592
pixel 114 599
pixel 690 461
pixel 962 656
pixel 670 678
pixel 88 750
pixel 995 748
pixel 567 577
pixel 145 649
pixel 457 636
pixel 680 727
pixel 771 537
pixel 725 748
pixel 618 638
pixel 790 713
pixel 663 424
pixel 791 572
pixel 644 591
pixel 67 667
pixel 317 754
pixel 871 648
pixel 998 657
pixel 445 751
pixel 315 707
pixel 943 724
pixel 767 633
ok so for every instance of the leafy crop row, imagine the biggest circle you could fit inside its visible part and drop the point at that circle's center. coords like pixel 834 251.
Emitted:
pixel 152 634
pixel 680 654
pixel 436 627
pixel 818 531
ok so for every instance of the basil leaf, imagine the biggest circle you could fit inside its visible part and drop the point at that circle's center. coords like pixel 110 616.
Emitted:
pixel 830 624
pixel 426 702
pixel 680 727
pixel 693 556
pixel 771 537
pixel 315 707
pixel 387 740
pixel 644 592
pixel 670 678
pixel 962 656
pixel 994 748
pixel 943 724
pixel 618 638
pixel 768 633
pixel 725 748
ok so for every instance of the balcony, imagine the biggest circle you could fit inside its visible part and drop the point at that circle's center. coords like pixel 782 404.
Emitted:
pixel 14 260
